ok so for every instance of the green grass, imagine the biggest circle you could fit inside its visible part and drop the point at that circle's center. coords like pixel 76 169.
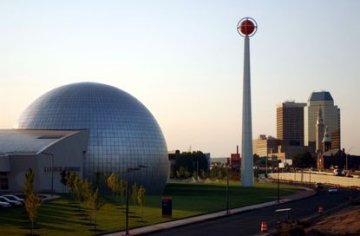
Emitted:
pixel 63 216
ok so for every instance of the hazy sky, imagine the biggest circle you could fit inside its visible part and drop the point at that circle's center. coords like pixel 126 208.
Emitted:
pixel 183 59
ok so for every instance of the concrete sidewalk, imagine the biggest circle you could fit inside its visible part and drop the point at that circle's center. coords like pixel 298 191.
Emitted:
pixel 195 219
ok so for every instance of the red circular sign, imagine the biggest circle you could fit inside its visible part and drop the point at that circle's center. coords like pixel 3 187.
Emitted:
pixel 247 27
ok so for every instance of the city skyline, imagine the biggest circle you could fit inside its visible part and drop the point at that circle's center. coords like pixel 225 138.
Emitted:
pixel 183 60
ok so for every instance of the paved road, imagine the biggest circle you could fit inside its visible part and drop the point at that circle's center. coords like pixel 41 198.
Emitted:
pixel 248 223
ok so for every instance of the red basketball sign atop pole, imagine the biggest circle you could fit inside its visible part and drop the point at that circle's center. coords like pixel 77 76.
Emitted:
pixel 247 26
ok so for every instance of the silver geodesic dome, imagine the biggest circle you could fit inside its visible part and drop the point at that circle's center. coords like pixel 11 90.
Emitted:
pixel 123 134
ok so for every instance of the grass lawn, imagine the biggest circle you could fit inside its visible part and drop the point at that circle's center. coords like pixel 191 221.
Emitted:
pixel 63 216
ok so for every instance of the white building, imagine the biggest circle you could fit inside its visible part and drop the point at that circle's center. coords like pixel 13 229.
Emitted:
pixel 46 152
pixel 330 114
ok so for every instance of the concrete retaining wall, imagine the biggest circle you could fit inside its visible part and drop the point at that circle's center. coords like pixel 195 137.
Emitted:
pixel 317 177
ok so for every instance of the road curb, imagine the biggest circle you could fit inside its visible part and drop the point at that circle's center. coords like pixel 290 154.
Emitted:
pixel 210 216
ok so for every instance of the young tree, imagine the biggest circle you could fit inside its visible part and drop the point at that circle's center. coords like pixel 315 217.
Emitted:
pixel 138 195
pixel 71 178
pixel 80 189
pixel 83 190
pixel 94 203
pixel 134 193
pixel 32 201
pixel 141 197
pixel 117 186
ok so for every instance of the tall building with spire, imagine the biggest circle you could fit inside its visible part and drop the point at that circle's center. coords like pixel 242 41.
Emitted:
pixel 330 117
pixel 326 147
pixel 319 131
pixel 326 141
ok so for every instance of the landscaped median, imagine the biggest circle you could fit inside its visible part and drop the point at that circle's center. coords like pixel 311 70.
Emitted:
pixel 64 216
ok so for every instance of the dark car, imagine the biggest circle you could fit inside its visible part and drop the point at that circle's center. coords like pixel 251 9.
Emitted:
pixel 14 198
pixel 12 202
pixel 319 186
pixel 333 189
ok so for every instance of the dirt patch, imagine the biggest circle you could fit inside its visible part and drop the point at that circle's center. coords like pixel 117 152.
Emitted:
pixel 345 222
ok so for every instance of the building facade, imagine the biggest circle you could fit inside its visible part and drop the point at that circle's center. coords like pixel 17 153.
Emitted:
pixel 290 123
pixel 266 146
pixel 46 152
pixel 330 116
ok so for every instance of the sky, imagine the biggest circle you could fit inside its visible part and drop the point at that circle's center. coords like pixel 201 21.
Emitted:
pixel 183 59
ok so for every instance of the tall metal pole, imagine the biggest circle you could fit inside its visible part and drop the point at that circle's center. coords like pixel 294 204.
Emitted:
pixel 247 178
pixel 247 27
pixel 52 174
pixel 128 170
pixel 278 186
pixel 266 166
pixel 347 156
pixel 127 207
pixel 197 168
pixel 227 187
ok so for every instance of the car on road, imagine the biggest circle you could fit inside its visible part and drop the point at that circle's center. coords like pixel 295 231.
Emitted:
pixel 12 202
pixel 4 204
pixel 333 190
pixel 319 186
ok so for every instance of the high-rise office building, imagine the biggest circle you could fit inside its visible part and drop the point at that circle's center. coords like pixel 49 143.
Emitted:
pixel 330 116
pixel 290 123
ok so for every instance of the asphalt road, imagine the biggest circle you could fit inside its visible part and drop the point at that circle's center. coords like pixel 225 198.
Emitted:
pixel 248 223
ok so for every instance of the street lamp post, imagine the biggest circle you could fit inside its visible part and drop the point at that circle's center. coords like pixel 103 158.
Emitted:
pixel 52 174
pixel 266 166
pixel 128 170
pixel 127 209
pixel 346 160
pixel 227 188
pixel 278 186
pixel 197 168
pixel 280 166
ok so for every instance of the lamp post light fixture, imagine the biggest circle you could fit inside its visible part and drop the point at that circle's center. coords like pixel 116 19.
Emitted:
pixel 128 170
